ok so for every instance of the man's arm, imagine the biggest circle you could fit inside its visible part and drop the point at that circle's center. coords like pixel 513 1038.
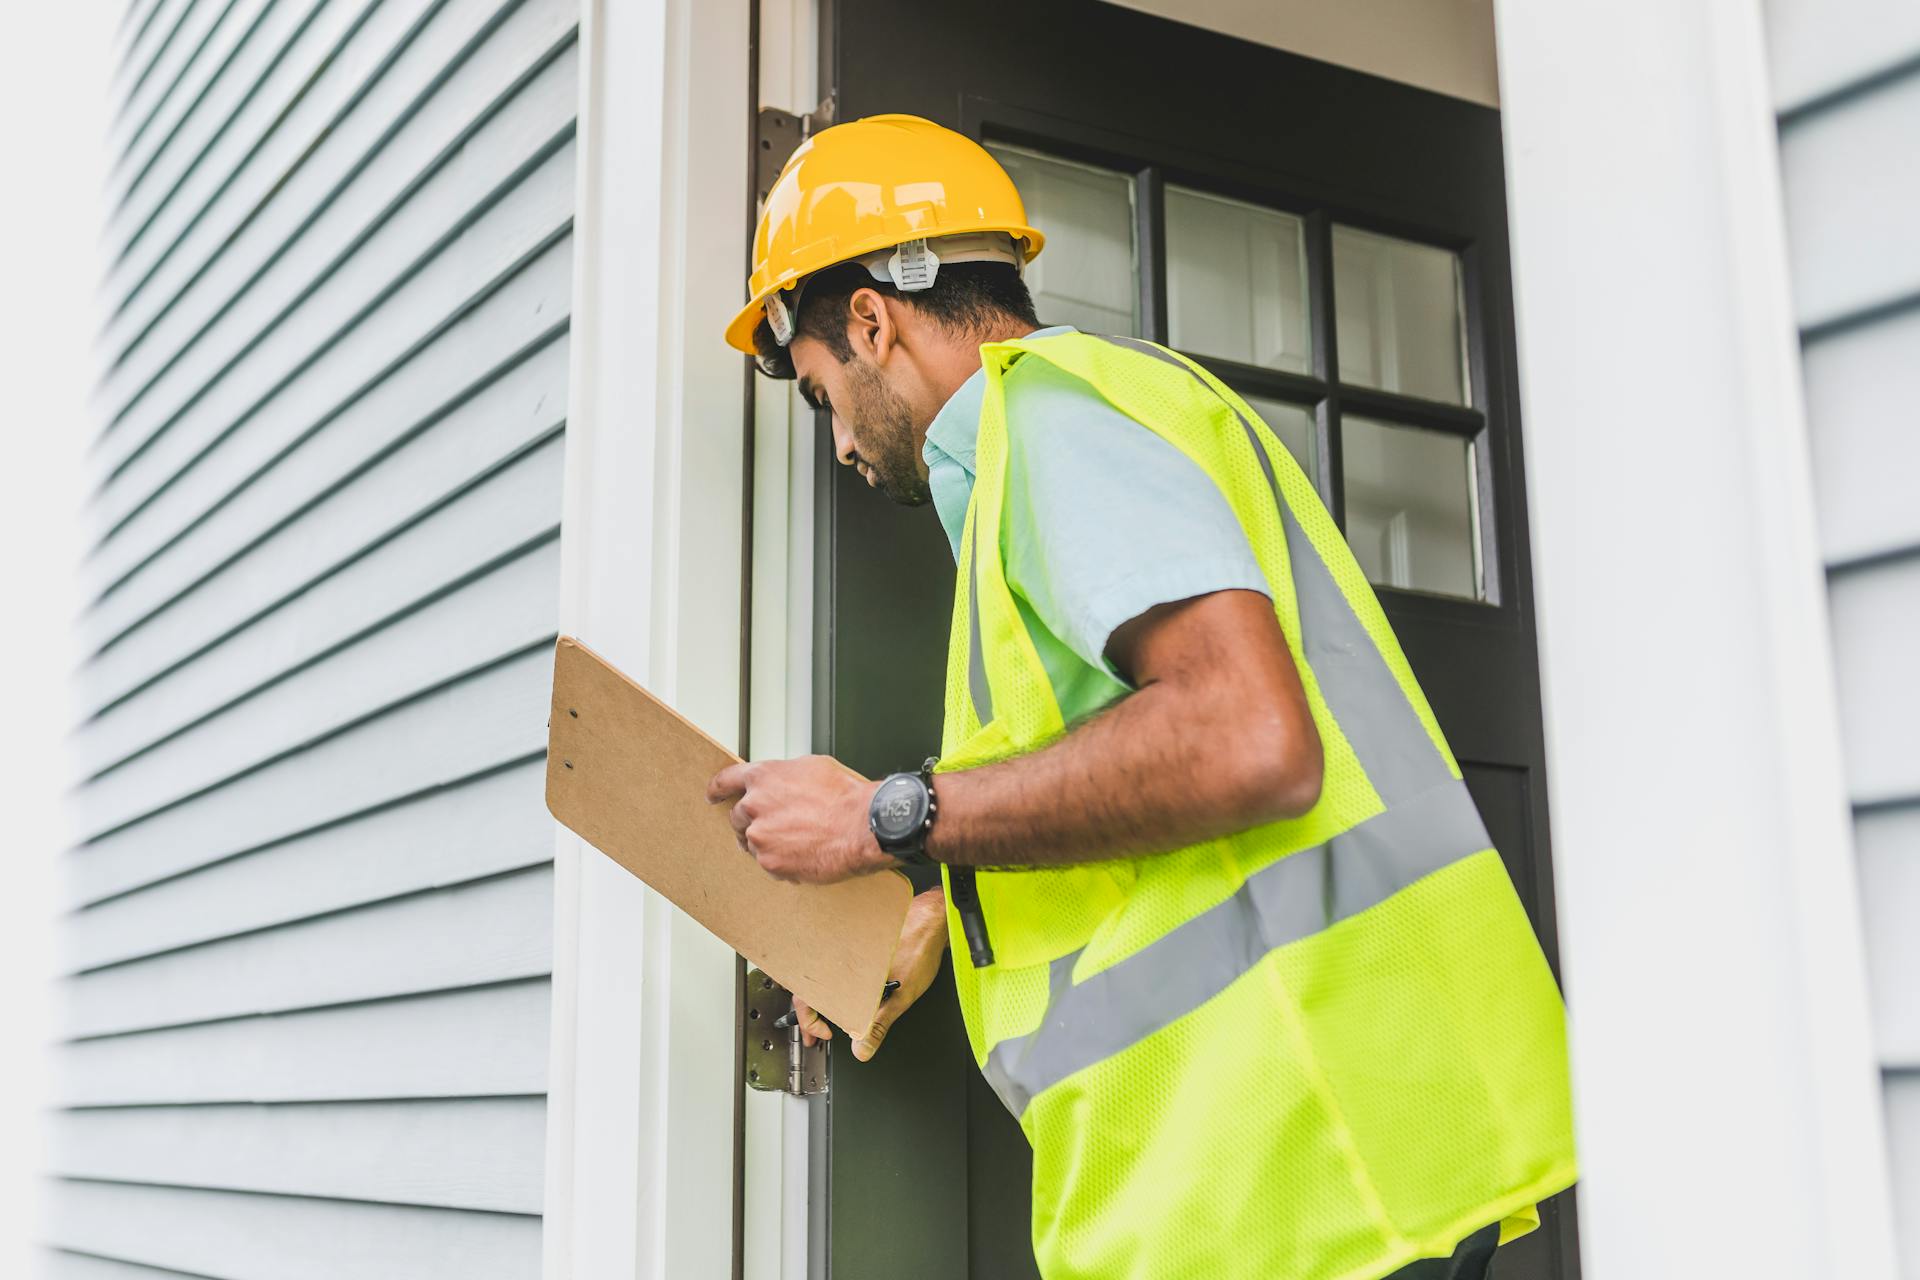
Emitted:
pixel 1215 738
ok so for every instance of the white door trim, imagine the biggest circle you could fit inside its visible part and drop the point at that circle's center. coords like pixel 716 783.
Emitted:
pixel 1725 1086
pixel 639 1143
pixel 783 1134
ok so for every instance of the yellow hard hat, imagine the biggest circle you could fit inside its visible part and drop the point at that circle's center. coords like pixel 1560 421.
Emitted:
pixel 886 182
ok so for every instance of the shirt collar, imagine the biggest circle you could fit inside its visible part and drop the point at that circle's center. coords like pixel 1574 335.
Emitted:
pixel 955 430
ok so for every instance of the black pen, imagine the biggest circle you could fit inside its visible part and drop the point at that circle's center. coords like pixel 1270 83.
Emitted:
pixel 786 1019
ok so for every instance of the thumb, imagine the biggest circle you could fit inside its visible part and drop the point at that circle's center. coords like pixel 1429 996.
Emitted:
pixel 869 1044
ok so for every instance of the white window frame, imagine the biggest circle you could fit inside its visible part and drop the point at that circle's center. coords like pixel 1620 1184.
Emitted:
pixel 1726 1091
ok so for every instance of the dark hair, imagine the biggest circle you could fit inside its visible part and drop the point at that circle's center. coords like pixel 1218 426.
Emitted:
pixel 966 298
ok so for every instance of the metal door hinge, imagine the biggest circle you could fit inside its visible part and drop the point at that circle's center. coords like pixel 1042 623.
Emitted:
pixel 776 134
pixel 776 1060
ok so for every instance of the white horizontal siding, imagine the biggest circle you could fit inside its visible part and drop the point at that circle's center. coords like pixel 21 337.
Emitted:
pixel 1903 1128
pixel 154 44
pixel 1853 204
pixel 241 344
pixel 1847 79
pixel 323 374
pixel 154 22
pixel 1819 46
pixel 482 1042
pixel 58 1265
pixel 144 147
pixel 499 613
pixel 1889 848
pixel 205 39
pixel 347 480
pixel 229 1235
pixel 477 722
pixel 222 163
pixel 1876 637
pixel 465 1153
pixel 305 1012
pixel 160 78
pixel 349 556
pixel 285 246
pixel 332 53
pixel 256 574
pixel 1863 406
pixel 490 931
pixel 485 826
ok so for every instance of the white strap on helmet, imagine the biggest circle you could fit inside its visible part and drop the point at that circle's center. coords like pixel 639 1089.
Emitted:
pixel 915 265
pixel 911 268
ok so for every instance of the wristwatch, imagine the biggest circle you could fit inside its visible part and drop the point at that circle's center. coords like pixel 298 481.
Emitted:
pixel 901 814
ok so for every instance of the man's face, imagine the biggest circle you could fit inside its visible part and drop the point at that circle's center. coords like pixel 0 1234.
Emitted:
pixel 873 422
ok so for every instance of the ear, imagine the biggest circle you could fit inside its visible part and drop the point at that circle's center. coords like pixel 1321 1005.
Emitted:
pixel 871 326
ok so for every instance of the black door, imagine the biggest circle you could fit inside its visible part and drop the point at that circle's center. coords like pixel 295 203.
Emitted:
pixel 1334 246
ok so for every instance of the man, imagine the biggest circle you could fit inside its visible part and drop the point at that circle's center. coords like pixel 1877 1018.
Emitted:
pixel 1233 944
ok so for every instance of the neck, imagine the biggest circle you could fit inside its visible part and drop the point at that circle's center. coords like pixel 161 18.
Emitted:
pixel 961 358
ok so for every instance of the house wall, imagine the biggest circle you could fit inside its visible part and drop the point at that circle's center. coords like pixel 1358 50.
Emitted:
pixel 1846 76
pixel 305 1010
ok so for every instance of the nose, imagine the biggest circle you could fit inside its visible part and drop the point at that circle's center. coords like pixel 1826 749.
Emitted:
pixel 842 443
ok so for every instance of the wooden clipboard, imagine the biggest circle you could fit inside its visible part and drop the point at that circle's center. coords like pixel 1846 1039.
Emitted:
pixel 629 774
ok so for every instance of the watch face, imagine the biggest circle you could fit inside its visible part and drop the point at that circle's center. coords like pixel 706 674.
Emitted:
pixel 899 807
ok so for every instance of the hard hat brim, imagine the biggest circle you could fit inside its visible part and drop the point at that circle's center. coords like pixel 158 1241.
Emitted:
pixel 740 329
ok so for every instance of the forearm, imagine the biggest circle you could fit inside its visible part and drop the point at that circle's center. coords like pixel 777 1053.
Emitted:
pixel 1145 776
pixel 1218 738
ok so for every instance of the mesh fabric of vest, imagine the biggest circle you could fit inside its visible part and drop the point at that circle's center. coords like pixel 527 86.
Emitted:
pixel 1361 1097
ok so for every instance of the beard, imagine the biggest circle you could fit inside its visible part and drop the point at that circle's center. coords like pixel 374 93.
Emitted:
pixel 883 437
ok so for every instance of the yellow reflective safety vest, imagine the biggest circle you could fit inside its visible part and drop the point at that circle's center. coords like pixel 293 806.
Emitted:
pixel 1316 1050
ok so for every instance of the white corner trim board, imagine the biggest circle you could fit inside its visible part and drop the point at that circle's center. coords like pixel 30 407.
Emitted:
pixel 1722 1059
pixel 639 1139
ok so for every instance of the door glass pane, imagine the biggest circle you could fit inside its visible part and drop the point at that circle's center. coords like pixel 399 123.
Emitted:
pixel 1413 507
pixel 1085 277
pixel 1400 318
pixel 1236 281
pixel 1292 423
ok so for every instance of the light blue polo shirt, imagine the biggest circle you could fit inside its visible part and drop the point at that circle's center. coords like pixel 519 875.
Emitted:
pixel 1104 520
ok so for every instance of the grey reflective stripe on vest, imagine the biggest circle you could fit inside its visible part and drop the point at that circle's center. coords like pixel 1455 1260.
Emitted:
pixel 1122 1005
pixel 1428 823
pixel 976 658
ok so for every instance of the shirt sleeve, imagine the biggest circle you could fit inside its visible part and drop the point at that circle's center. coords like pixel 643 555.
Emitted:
pixel 1105 519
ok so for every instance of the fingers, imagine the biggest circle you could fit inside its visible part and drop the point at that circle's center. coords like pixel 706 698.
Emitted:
pixel 813 1027
pixel 728 784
